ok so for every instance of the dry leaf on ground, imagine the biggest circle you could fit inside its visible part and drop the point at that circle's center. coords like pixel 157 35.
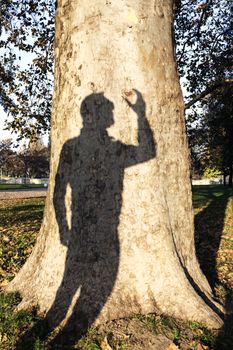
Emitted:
pixel 104 344
pixel 172 346
pixel 202 347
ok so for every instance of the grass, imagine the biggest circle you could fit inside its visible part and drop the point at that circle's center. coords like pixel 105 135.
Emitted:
pixel 20 222
pixel 12 324
pixel 213 205
pixel 4 187
pixel 203 195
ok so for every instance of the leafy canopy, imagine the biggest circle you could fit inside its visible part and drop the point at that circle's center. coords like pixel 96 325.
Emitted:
pixel 26 66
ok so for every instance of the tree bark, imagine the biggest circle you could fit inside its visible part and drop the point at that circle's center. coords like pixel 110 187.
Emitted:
pixel 118 235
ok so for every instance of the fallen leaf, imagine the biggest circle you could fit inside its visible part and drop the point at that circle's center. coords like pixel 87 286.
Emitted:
pixel 202 347
pixel 4 283
pixel 172 346
pixel 104 344
pixel 3 338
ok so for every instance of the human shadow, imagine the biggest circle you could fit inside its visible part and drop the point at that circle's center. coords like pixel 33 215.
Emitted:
pixel 93 165
pixel 208 233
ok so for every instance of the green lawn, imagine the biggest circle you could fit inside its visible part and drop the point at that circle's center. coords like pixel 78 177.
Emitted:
pixel 20 222
pixel 213 206
pixel 203 194
pixel 4 187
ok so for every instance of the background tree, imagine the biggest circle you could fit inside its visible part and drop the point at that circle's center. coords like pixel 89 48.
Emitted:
pixel 26 67
pixel 11 163
pixel 30 161
pixel 36 155
pixel 219 132
pixel 5 152
pixel 204 52
pixel 204 45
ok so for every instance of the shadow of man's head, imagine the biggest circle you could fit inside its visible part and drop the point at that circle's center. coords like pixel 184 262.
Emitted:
pixel 97 111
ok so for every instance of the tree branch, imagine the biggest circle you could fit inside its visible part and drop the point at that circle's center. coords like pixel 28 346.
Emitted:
pixel 208 91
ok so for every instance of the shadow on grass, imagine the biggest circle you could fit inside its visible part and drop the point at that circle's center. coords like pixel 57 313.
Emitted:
pixel 209 224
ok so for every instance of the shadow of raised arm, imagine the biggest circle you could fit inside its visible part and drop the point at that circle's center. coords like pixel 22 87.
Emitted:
pixel 146 148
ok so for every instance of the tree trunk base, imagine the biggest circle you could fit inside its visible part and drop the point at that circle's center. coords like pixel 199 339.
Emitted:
pixel 172 291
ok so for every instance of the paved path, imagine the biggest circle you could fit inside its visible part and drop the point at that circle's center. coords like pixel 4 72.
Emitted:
pixel 23 193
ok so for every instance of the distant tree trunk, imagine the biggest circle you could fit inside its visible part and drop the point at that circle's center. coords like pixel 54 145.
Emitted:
pixel 118 233
pixel 224 178
pixel 230 176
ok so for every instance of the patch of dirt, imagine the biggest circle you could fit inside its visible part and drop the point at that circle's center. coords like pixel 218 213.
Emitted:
pixel 134 335
pixel 21 194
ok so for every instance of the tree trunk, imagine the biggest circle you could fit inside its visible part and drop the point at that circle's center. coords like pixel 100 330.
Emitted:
pixel 118 234
pixel 224 178
pixel 230 176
